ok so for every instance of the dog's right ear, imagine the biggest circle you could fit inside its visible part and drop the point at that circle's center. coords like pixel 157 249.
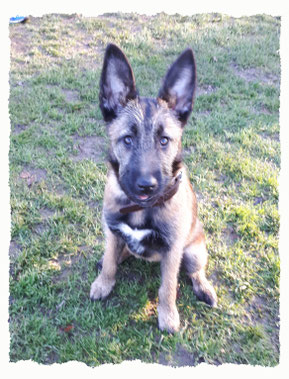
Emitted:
pixel 117 84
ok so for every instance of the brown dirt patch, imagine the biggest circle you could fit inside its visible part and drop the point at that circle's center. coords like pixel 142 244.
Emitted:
pixel 66 263
pixel 14 250
pixel 274 136
pixel 205 90
pixel 230 236
pixel 71 96
pixel 221 178
pixel 255 75
pixel 91 147
pixel 17 129
pixel 40 228
pixel 258 312
pixel 20 38
pixel 260 110
pixel 180 358
pixel 33 175
pixel 46 213
pixel 94 204
pixel 43 227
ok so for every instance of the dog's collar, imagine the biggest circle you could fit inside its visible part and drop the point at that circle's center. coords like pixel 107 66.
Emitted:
pixel 167 195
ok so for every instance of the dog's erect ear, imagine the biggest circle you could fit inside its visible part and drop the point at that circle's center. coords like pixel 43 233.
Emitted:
pixel 117 84
pixel 179 86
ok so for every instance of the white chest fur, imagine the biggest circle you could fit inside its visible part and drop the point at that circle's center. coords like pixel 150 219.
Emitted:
pixel 136 234
pixel 135 237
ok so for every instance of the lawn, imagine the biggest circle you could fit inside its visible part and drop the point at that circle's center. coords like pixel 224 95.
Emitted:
pixel 57 176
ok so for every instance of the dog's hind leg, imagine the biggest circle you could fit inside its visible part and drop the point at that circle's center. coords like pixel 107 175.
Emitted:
pixel 104 283
pixel 194 261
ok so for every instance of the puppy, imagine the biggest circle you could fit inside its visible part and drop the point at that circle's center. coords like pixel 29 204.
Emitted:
pixel 150 208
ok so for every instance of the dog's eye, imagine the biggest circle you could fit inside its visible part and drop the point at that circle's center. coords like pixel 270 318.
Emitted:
pixel 164 141
pixel 128 140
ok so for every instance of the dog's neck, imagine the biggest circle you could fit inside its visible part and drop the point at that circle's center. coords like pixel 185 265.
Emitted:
pixel 167 195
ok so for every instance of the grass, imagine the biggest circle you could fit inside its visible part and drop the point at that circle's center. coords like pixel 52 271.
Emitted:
pixel 57 177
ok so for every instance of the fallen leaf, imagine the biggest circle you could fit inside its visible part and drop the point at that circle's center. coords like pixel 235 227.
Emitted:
pixel 25 175
pixel 31 180
pixel 68 328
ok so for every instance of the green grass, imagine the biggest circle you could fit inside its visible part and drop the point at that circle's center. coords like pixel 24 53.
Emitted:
pixel 57 177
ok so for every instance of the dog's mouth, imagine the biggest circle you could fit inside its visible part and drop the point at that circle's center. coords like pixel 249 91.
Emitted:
pixel 143 199
pixel 147 200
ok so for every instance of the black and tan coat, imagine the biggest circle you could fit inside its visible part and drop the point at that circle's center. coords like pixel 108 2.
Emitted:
pixel 145 163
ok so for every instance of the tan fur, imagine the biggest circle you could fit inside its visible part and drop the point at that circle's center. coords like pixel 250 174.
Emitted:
pixel 104 283
pixel 181 210
pixel 143 120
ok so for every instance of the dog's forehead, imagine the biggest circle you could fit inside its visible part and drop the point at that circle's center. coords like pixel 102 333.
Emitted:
pixel 148 115
pixel 150 108
pixel 157 117
pixel 146 111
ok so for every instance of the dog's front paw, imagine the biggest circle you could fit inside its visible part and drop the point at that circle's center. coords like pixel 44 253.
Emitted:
pixel 100 288
pixel 135 246
pixel 169 320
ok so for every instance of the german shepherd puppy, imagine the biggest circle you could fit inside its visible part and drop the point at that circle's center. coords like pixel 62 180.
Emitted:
pixel 150 209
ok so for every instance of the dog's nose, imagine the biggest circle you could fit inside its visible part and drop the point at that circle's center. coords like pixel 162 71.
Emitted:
pixel 146 183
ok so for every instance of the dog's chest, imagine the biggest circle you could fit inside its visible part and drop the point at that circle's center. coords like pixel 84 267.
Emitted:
pixel 160 239
pixel 144 232
pixel 144 219
pixel 137 219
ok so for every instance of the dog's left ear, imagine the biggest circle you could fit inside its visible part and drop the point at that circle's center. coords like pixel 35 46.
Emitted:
pixel 117 84
pixel 179 86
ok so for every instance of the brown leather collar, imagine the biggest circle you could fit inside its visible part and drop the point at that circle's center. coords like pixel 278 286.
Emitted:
pixel 168 194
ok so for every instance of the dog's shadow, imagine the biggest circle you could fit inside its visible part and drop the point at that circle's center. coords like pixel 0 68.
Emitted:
pixel 138 281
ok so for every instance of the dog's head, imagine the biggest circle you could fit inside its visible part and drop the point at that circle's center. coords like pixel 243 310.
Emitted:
pixel 145 134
